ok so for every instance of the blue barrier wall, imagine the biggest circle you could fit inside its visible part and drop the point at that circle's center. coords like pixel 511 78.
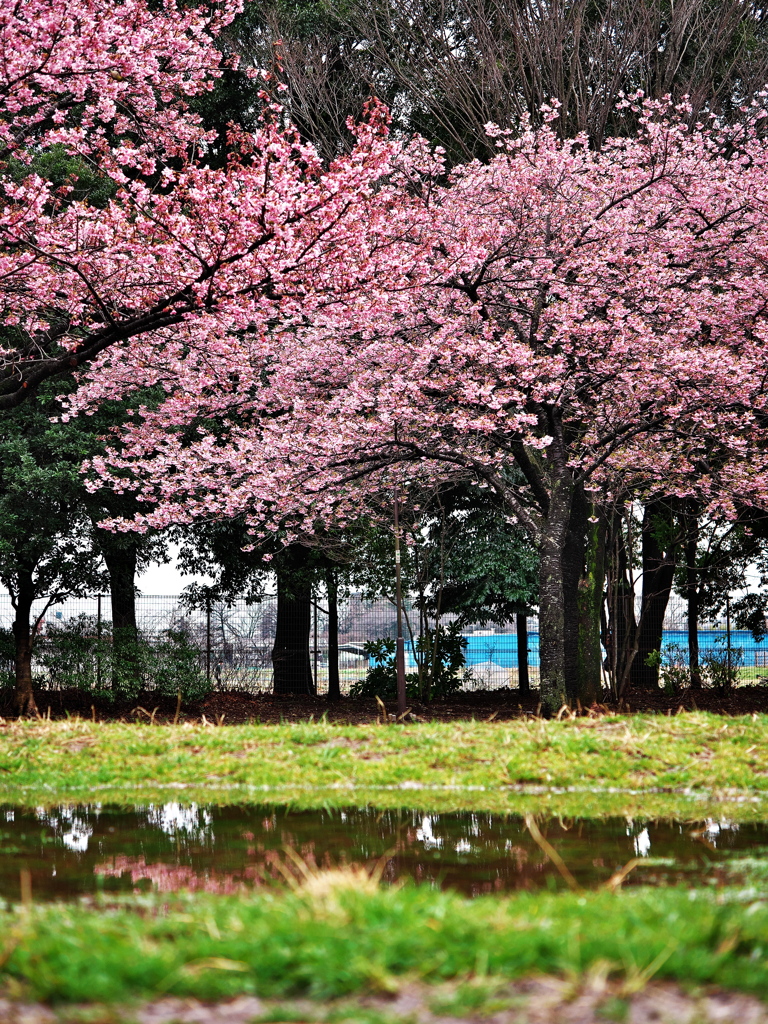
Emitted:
pixel 501 648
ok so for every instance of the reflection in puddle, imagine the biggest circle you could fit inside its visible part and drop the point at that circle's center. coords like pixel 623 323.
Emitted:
pixel 74 851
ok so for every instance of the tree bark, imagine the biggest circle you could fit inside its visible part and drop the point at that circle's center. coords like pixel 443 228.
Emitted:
pixel 120 557
pixel 521 622
pixel 658 550
pixel 588 686
pixel 621 631
pixel 692 597
pixel 22 631
pixel 583 578
pixel 334 685
pixel 573 570
pixel 291 658
pixel 552 599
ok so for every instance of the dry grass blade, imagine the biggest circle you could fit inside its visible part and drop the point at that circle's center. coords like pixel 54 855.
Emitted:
pixel 638 979
pixel 551 853
pixel 322 883
pixel 25 882
pixel 618 877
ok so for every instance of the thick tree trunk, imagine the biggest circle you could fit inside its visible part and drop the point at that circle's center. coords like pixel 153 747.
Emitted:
pixel 692 596
pixel 22 631
pixel 583 579
pixel 291 659
pixel 521 622
pixel 552 599
pixel 120 559
pixel 334 686
pixel 120 555
pixel 658 576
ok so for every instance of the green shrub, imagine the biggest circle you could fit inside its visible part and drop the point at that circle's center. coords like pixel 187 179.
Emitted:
pixel 7 657
pixel 720 666
pixel 83 655
pixel 674 667
pixel 177 666
pixel 440 654
pixel 73 655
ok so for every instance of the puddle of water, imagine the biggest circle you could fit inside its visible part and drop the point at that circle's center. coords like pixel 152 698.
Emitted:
pixel 74 851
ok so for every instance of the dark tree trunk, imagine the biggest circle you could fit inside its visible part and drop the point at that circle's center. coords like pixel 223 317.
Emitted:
pixel 658 576
pixel 622 627
pixel 120 556
pixel 291 658
pixel 588 688
pixel 120 559
pixel 583 578
pixel 334 686
pixel 22 632
pixel 521 622
pixel 692 596
pixel 552 599
pixel 573 568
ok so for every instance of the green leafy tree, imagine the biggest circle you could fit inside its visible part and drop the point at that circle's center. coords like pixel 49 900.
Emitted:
pixel 45 549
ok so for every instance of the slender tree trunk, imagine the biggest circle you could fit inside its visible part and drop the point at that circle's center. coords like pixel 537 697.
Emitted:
pixel 291 658
pixel 22 631
pixel 588 686
pixel 692 596
pixel 521 622
pixel 573 570
pixel 622 627
pixel 334 686
pixel 552 599
pixel 658 576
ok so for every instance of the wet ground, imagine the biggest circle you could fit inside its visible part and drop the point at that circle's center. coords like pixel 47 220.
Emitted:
pixel 69 852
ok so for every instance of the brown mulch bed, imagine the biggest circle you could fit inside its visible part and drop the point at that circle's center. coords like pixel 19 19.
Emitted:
pixel 235 707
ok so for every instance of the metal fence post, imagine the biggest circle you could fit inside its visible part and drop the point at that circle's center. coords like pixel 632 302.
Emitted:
pixel 728 633
pixel 314 611
pixel 98 641
pixel 208 640
pixel 400 642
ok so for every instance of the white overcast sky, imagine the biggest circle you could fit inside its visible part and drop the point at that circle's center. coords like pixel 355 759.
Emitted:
pixel 166 579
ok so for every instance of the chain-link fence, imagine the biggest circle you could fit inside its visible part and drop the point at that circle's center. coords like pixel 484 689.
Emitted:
pixel 234 641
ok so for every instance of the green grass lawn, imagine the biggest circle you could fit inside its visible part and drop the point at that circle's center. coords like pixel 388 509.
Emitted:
pixel 594 767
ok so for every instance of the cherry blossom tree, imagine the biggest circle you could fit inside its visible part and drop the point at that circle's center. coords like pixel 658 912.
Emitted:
pixel 558 324
pixel 108 85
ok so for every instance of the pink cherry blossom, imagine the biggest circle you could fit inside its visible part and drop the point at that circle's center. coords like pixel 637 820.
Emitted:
pixel 556 319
